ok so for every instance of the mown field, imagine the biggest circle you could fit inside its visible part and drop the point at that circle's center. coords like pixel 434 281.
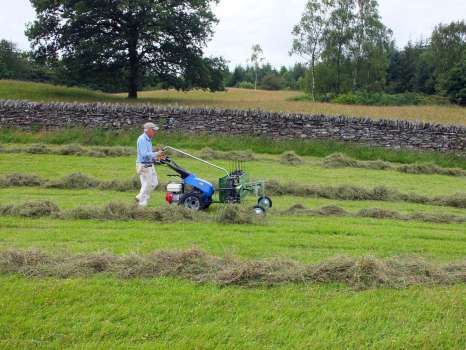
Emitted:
pixel 87 310
pixel 276 101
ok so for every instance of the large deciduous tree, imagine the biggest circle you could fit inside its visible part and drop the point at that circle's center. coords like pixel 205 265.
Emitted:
pixel 133 38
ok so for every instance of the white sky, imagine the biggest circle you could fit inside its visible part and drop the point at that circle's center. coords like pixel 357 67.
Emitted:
pixel 244 23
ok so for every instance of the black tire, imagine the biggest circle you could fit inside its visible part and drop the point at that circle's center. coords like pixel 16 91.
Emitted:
pixel 264 202
pixel 192 200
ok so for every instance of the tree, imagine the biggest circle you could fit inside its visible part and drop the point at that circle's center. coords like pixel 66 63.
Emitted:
pixel 448 44
pixel 369 45
pixel 132 38
pixel 338 34
pixel 11 64
pixel 16 64
pixel 308 34
pixel 256 59
pixel 455 83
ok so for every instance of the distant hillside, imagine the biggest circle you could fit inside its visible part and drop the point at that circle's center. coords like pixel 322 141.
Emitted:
pixel 21 90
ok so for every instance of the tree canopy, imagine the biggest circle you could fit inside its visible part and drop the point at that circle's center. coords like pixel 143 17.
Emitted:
pixel 129 40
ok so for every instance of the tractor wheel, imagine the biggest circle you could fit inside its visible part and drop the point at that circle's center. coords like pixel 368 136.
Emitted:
pixel 264 202
pixel 192 200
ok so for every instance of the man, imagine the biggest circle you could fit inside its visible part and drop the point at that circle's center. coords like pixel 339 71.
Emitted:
pixel 145 164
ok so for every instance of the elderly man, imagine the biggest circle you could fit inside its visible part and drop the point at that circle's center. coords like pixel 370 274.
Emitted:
pixel 145 163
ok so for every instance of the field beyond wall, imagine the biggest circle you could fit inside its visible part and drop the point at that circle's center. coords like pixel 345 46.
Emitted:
pixel 275 101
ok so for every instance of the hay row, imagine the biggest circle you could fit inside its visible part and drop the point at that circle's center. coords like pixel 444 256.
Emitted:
pixel 229 214
pixel 375 213
pixel 342 192
pixel 357 193
pixel 339 160
pixel 72 150
pixel 197 266
pixel 120 151
pixel 72 181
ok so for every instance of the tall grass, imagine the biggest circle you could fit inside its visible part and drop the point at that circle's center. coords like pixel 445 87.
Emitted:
pixel 316 148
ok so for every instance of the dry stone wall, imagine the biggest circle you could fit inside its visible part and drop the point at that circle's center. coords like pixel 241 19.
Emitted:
pixel 386 133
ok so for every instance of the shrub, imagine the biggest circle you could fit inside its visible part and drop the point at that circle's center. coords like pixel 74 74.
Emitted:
pixel 246 85
pixel 272 82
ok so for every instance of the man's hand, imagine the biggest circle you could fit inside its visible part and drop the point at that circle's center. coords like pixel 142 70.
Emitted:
pixel 161 155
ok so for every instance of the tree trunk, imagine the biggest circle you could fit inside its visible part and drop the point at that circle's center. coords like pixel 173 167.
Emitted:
pixel 133 78
pixel 313 74
pixel 133 84
pixel 338 69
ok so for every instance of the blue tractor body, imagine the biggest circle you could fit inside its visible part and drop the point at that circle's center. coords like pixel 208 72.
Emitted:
pixel 206 188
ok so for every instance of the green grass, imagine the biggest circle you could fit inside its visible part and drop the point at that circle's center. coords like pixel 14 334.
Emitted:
pixel 275 101
pixel 310 173
pixel 165 313
pixel 106 312
pixel 298 238
pixel 320 148
pixel 39 92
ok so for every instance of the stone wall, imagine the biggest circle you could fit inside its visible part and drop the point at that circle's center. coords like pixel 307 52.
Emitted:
pixel 386 133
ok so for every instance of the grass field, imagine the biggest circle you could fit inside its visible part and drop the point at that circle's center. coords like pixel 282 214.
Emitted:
pixel 102 311
pixel 276 101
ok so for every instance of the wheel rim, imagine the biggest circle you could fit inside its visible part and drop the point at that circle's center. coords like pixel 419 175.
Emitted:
pixel 192 203
pixel 264 203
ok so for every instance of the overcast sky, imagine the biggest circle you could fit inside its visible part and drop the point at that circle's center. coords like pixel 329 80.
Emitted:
pixel 269 23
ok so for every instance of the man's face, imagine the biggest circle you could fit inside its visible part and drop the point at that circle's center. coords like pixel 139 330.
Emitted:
pixel 150 133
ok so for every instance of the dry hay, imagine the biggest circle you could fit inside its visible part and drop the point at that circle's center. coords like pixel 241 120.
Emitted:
pixel 237 214
pixel 33 209
pixel 73 149
pixel 74 181
pixel 21 180
pixel 291 158
pixel 195 265
pixel 211 154
pixel 124 211
pixel 231 214
pixel 356 193
pixel 339 160
pixel 375 213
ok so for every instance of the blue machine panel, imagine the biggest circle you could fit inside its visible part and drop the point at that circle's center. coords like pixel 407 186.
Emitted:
pixel 204 186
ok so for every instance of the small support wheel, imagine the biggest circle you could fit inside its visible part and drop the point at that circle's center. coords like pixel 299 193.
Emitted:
pixel 264 202
pixel 259 211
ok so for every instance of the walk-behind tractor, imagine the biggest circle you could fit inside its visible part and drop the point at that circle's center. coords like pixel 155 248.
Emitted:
pixel 197 194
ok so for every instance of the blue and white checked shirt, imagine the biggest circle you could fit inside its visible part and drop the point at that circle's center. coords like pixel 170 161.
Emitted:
pixel 145 152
